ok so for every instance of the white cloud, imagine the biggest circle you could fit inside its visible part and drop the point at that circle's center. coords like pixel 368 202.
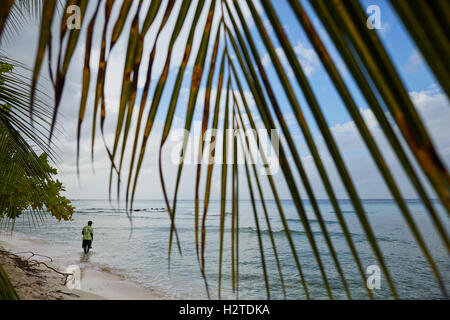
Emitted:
pixel 266 60
pixel 268 26
pixel 432 105
pixel 434 108
pixel 414 61
pixel 307 57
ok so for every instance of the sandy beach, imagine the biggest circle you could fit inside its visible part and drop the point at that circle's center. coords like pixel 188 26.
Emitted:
pixel 35 276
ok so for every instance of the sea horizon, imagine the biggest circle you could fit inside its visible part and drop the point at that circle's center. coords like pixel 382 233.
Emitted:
pixel 137 248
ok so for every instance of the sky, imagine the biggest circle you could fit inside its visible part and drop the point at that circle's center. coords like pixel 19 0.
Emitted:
pixel 425 92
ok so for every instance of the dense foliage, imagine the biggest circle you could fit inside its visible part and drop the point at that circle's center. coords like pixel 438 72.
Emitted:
pixel 30 189
pixel 26 179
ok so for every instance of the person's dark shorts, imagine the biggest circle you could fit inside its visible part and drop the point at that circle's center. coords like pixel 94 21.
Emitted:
pixel 86 243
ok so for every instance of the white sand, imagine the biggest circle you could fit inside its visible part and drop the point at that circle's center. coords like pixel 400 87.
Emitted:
pixel 41 283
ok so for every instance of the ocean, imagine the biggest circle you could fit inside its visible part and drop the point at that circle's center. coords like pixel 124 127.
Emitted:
pixel 137 249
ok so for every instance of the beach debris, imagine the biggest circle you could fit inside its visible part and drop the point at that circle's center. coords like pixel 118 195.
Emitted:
pixel 68 293
pixel 27 264
pixel 34 254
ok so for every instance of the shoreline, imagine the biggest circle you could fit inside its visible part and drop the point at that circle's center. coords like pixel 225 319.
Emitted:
pixel 31 275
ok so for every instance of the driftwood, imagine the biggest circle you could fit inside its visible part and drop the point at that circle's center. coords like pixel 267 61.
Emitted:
pixel 67 293
pixel 34 254
pixel 27 264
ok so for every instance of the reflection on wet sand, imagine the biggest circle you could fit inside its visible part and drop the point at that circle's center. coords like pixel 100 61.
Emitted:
pixel 84 257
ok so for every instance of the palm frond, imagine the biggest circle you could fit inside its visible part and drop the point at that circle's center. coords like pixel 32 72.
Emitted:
pixel 7 291
pixel 20 142
pixel 15 15
pixel 233 38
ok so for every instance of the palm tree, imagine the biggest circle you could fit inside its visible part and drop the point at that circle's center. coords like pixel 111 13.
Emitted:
pixel 236 65
pixel 27 182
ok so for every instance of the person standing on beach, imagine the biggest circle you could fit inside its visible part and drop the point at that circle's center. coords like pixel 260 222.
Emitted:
pixel 88 236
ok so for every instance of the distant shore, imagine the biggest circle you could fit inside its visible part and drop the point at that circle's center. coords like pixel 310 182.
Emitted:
pixel 37 281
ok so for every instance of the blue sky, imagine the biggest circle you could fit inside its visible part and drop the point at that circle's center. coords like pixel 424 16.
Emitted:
pixel 431 103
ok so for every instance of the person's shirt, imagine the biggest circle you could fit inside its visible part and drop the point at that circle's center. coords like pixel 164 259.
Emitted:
pixel 87 232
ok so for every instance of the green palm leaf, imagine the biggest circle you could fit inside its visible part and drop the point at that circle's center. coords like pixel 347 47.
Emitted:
pixel 240 66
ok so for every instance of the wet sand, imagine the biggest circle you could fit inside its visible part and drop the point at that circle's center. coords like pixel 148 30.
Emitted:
pixel 39 282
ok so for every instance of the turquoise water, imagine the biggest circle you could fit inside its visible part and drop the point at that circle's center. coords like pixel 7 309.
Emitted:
pixel 141 256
